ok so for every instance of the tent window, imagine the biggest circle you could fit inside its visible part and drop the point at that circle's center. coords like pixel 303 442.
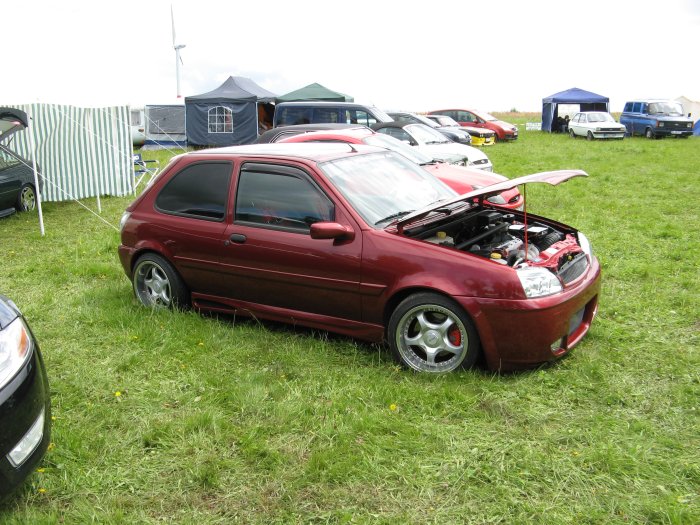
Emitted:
pixel 220 120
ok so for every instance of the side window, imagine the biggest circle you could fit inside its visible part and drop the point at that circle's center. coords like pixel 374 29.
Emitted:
pixel 628 107
pixel 637 107
pixel 282 198
pixel 220 120
pixel 325 115
pixel 396 133
pixel 293 116
pixel 199 191
pixel 645 108
pixel 362 117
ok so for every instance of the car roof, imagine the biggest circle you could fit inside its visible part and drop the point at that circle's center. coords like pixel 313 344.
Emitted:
pixel 357 133
pixel 272 134
pixel 322 103
pixel 314 151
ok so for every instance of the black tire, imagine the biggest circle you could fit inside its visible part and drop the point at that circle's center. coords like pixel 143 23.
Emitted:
pixel 157 284
pixel 572 134
pixel 648 133
pixel 589 136
pixel 26 198
pixel 428 332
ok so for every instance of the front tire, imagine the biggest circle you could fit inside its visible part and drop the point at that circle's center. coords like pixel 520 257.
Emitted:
pixel 26 199
pixel 649 134
pixel 572 134
pixel 589 136
pixel 157 284
pixel 428 332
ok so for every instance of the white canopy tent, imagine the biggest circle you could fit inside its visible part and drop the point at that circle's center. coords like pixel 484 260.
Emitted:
pixel 81 152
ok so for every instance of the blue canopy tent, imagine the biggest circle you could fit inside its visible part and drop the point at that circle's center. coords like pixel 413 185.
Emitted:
pixel 586 100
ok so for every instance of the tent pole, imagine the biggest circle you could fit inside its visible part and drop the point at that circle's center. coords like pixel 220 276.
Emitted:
pixel 36 178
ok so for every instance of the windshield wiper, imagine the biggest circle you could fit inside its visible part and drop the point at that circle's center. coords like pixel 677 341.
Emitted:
pixel 393 216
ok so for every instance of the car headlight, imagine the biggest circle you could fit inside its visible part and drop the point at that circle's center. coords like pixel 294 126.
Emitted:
pixel 496 199
pixel 538 282
pixel 15 349
pixel 660 124
pixel 585 245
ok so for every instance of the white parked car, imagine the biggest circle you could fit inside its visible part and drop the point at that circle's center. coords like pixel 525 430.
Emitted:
pixel 596 125
pixel 434 144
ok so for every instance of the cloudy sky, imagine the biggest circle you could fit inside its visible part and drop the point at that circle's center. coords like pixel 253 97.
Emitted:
pixel 493 55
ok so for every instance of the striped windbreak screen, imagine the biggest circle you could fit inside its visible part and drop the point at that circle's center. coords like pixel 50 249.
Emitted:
pixel 81 152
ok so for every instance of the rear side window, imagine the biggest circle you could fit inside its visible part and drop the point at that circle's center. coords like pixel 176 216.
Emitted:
pixel 280 199
pixel 628 107
pixel 637 107
pixel 199 191
pixel 293 116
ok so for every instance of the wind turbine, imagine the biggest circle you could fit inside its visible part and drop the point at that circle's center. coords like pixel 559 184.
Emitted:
pixel 178 58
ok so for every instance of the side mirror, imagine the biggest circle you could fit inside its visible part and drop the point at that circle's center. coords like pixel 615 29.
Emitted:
pixel 331 230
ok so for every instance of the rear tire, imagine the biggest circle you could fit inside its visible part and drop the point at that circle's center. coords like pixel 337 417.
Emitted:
pixel 157 284
pixel 26 199
pixel 428 332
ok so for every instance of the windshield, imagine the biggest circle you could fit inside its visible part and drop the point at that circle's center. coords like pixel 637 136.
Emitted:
pixel 600 117
pixel 425 135
pixel 394 144
pixel 447 121
pixel 667 108
pixel 383 186
pixel 485 116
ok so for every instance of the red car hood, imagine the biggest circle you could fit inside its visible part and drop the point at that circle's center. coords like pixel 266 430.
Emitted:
pixel 549 177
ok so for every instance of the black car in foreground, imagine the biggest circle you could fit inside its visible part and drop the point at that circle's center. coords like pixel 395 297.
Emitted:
pixel 25 410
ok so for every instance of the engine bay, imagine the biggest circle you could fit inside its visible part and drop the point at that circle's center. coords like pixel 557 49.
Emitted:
pixel 506 239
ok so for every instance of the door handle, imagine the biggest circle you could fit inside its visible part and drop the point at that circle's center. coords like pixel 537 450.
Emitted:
pixel 238 238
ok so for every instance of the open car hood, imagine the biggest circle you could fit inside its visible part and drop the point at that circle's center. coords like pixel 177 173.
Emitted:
pixel 11 121
pixel 549 177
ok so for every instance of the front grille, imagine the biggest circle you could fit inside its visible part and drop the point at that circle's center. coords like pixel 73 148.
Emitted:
pixel 573 269
pixel 675 125
pixel 614 130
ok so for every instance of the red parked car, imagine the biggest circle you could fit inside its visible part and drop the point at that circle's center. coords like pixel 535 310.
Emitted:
pixel 460 178
pixel 480 119
pixel 361 241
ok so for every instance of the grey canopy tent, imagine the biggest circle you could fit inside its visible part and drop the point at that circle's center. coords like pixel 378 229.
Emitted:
pixel 315 91
pixel 227 115
pixel 586 100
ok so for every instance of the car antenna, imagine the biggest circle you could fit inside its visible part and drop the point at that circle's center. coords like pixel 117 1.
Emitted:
pixel 352 148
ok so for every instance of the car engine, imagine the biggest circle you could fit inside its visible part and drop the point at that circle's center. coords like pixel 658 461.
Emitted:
pixel 506 239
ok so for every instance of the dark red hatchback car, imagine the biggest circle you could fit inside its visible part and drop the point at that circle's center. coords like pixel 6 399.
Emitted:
pixel 361 241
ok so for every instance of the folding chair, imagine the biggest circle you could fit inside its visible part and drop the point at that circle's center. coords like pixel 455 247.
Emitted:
pixel 143 168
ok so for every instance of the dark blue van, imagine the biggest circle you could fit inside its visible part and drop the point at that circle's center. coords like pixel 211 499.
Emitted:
pixel 313 112
pixel 655 118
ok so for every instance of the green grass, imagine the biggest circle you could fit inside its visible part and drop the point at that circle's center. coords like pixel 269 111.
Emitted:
pixel 178 417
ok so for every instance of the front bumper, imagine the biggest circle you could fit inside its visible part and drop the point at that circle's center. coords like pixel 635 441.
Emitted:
pixel 22 402
pixel 517 334
pixel 665 132
pixel 608 134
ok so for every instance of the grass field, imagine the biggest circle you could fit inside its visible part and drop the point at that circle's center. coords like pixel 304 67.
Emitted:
pixel 181 418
